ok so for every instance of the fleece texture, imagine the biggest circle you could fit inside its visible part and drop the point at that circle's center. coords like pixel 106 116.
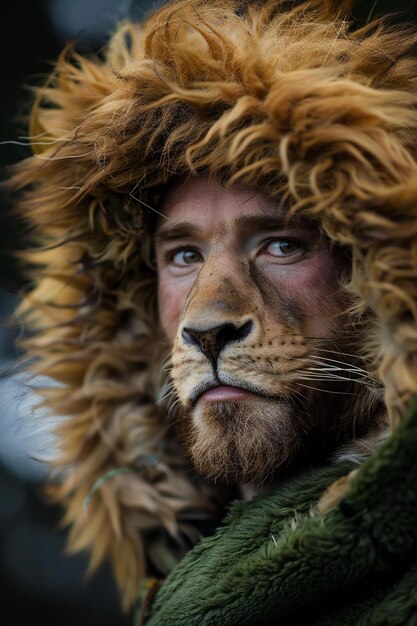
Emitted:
pixel 277 561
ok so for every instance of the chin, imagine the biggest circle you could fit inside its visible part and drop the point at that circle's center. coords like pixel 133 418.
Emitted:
pixel 244 441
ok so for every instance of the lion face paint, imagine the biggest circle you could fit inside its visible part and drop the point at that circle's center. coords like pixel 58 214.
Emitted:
pixel 250 300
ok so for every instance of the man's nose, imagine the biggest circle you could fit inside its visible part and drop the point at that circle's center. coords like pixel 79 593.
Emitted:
pixel 211 341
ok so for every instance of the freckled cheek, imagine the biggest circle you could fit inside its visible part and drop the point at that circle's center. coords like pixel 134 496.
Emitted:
pixel 171 300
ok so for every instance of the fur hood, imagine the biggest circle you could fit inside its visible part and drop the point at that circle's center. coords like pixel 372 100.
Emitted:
pixel 288 100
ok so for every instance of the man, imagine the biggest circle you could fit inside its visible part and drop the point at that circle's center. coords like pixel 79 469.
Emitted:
pixel 252 303
pixel 229 196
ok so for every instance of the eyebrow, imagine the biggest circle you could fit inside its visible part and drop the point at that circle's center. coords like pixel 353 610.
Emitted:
pixel 244 224
pixel 256 223
pixel 173 232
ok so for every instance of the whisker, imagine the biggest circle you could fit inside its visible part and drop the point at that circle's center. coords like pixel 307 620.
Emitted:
pixel 339 393
pixel 326 358
pixel 324 375
pixel 342 353
pixel 167 395
pixel 302 397
pixel 131 194
pixel 336 368
pixel 348 367
pixel 28 144
pixel 344 363
pixel 331 378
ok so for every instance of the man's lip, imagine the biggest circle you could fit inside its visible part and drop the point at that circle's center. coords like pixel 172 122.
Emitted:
pixel 233 386
pixel 225 393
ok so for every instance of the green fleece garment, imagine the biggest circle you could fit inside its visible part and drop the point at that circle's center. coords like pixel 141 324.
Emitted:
pixel 273 562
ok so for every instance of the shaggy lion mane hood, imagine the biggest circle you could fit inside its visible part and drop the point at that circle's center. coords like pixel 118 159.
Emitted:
pixel 290 101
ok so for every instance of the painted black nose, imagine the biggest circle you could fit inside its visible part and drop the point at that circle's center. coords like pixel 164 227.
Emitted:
pixel 212 340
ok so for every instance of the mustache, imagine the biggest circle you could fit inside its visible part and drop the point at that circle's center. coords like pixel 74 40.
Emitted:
pixel 323 365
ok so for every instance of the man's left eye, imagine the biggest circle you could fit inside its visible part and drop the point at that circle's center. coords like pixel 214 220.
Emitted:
pixel 283 247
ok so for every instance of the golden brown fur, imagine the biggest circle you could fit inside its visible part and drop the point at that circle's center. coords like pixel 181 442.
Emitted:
pixel 285 100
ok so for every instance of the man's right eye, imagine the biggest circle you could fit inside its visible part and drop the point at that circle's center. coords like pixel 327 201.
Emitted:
pixel 186 257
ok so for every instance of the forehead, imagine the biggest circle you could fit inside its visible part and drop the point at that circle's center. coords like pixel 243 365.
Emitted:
pixel 204 201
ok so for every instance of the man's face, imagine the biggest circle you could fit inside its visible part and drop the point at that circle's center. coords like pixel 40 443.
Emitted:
pixel 244 297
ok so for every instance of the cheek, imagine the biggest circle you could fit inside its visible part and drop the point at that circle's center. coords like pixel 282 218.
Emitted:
pixel 171 300
pixel 318 295
pixel 311 290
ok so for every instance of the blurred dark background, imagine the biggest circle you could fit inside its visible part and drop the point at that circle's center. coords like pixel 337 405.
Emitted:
pixel 38 584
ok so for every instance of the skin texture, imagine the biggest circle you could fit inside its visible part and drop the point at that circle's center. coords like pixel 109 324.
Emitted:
pixel 245 299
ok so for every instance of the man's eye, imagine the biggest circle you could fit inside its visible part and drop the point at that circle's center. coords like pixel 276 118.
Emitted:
pixel 283 247
pixel 185 257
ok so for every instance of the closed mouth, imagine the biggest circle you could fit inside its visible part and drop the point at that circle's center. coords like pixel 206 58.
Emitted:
pixel 225 392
